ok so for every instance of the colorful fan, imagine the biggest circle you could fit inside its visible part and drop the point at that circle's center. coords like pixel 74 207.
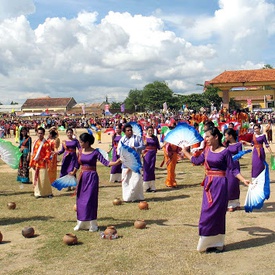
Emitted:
pixel 240 154
pixel 109 131
pixel 61 128
pixel 183 135
pixel 222 126
pixel 130 158
pixel 258 191
pixel 103 153
pixel 164 131
pixel 137 129
pixel 110 154
pixel 95 128
pixel 201 128
pixel 64 182
pixel 9 153
pixel 90 132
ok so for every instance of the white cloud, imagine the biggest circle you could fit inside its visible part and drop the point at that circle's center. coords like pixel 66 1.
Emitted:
pixel 89 59
pixel 15 8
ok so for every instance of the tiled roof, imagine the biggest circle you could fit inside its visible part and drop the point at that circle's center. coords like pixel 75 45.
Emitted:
pixel 46 102
pixel 88 105
pixel 261 75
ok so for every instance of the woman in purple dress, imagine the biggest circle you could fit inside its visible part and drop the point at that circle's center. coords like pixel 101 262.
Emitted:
pixel 149 155
pixel 69 160
pixel 88 185
pixel 233 183
pixel 116 171
pixel 258 154
pixel 217 159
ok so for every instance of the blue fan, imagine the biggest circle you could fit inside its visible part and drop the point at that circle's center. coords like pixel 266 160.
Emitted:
pixel 65 181
pixel 103 153
pixel 137 129
pixel 258 191
pixel 90 132
pixel 183 135
pixel 130 158
pixel 240 154
pixel 94 128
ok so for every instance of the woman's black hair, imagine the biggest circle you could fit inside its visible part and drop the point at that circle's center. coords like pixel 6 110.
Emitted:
pixel 119 125
pixel 85 137
pixel 231 132
pixel 22 129
pixel 196 125
pixel 53 133
pixel 208 124
pixel 69 129
pixel 150 127
pixel 214 131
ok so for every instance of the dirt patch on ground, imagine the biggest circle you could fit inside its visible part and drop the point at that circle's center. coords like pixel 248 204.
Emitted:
pixel 21 248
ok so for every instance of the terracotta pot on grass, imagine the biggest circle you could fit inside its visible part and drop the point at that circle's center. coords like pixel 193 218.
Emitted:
pixel 117 201
pixel 28 232
pixel 11 205
pixel 110 230
pixel 143 205
pixel 140 224
pixel 70 239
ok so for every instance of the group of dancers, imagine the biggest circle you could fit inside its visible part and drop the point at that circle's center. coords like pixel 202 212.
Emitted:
pixel 221 189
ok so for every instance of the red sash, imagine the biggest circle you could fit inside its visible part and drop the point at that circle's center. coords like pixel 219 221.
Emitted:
pixel 210 174
pixel 257 145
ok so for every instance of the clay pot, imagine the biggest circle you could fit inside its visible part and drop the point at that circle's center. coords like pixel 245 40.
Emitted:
pixel 140 224
pixel 75 208
pixel 28 232
pixel 117 201
pixel 70 239
pixel 110 230
pixel 1 237
pixel 11 205
pixel 143 205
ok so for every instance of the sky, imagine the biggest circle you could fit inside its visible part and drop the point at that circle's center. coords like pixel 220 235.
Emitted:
pixel 90 50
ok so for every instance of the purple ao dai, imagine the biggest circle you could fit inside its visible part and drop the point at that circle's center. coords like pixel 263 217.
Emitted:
pixel 87 189
pixel 212 218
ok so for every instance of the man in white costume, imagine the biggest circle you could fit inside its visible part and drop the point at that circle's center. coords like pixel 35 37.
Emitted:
pixel 132 183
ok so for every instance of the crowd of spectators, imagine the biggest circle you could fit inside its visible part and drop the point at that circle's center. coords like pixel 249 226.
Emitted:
pixel 9 124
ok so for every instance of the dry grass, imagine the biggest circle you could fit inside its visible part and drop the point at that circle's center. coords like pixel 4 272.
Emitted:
pixel 166 246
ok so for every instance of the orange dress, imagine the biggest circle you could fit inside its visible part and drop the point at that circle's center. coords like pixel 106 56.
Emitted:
pixel 52 165
pixel 171 157
pixel 39 162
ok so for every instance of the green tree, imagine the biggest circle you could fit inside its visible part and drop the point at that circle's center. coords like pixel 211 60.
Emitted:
pixel 234 105
pixel 116 105
pixel 155 94
pixel 267 66
pixel 134 100
pixel 193 101
pixel 196 101
pixel 211 96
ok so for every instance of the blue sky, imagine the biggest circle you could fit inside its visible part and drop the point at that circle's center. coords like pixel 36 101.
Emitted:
pixel 89 49
pixel 69 9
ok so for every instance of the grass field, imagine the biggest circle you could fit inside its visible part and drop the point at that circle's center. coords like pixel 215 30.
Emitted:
pixel 166 246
